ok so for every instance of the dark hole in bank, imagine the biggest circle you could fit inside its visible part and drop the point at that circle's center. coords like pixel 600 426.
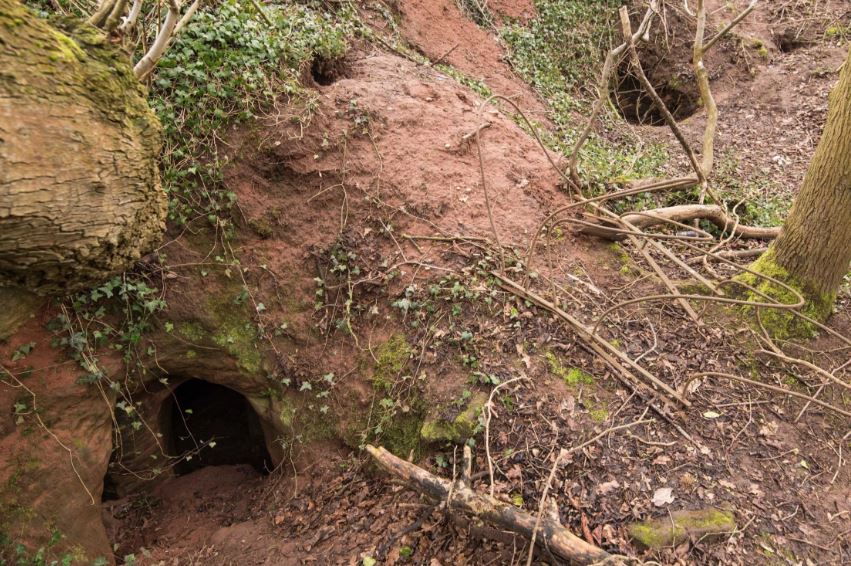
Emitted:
pixel 637 107
pixel 213 425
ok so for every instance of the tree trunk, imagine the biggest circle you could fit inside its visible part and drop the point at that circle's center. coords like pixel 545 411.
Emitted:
pixel 80 196
pixel 813 250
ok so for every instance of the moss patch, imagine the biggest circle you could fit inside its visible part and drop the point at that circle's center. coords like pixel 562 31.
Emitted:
pixel 462 427
pixel 571 376
pixel 627 266
pixel 780 323
pixel 392 357
pixel 680 526
pixel 401 436
pixel 234 330
pixel 192 331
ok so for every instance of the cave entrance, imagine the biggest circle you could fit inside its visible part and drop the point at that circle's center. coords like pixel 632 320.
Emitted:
pixel 216 426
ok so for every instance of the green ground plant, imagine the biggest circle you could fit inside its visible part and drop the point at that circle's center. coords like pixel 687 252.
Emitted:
pixel 226 67
pixel 560 54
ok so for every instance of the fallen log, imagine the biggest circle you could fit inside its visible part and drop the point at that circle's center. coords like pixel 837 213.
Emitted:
pixel 682 214
pixel 459 495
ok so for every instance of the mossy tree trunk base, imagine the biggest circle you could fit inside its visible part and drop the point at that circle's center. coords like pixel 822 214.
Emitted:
pixel 813 251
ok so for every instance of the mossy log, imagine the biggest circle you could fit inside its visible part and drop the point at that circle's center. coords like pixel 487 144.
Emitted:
pixel 680 526
pixel 80 195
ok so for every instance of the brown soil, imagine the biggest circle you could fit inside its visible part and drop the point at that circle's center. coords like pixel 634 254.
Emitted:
pixel 439 30
pixel 388 155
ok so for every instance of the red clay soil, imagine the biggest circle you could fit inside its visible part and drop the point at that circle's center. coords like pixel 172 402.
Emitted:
pixel 400 133
pixel 439 30
pixel 520 10
pixel 388 154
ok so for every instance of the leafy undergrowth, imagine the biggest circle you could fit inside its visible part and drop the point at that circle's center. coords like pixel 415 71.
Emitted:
pixel 224 68
pixel 560 53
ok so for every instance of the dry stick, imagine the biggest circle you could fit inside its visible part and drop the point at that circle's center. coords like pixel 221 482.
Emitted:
pixel 130 20
pixel 460 496
pixel 776 352
pixel 665 251
pixel 705 298
pixel 603 88
pixel 768 386
pixel 666 185
pixel 262 13
pixel 647 257
pixel 645 253
pixel 562 455
pixel 489 407
pixel 712 213
pixel 805 363
pixel 791 307
pixel 702 77
pixel 730 254
pixel 635 62
pixel 731 25
pixel 613 356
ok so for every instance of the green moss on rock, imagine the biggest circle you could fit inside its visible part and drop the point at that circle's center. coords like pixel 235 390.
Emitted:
pixel 680 526
pixel 463 426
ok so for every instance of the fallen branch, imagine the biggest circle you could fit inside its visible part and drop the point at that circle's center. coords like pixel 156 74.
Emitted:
pixel 729 254
pixel 460 496
pixel 564 453
pixel 683 213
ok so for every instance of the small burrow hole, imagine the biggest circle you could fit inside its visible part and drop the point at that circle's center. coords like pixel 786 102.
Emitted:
pixel 212 425
pixel 327 71
pixel 636 106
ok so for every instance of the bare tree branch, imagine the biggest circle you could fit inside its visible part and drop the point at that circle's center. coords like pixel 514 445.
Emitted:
pixel 130 21
pixel 612 58
pixel 147 63
pixel 731 25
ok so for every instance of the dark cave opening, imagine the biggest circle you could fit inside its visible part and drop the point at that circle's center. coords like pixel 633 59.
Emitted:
pixel 212 425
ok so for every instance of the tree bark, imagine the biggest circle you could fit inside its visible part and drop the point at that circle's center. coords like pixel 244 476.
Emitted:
pixel 814 246
pixel 80 196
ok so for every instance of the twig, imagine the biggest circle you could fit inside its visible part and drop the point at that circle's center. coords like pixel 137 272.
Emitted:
pixel 562 455
pixel 766 386
pixel 613 356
